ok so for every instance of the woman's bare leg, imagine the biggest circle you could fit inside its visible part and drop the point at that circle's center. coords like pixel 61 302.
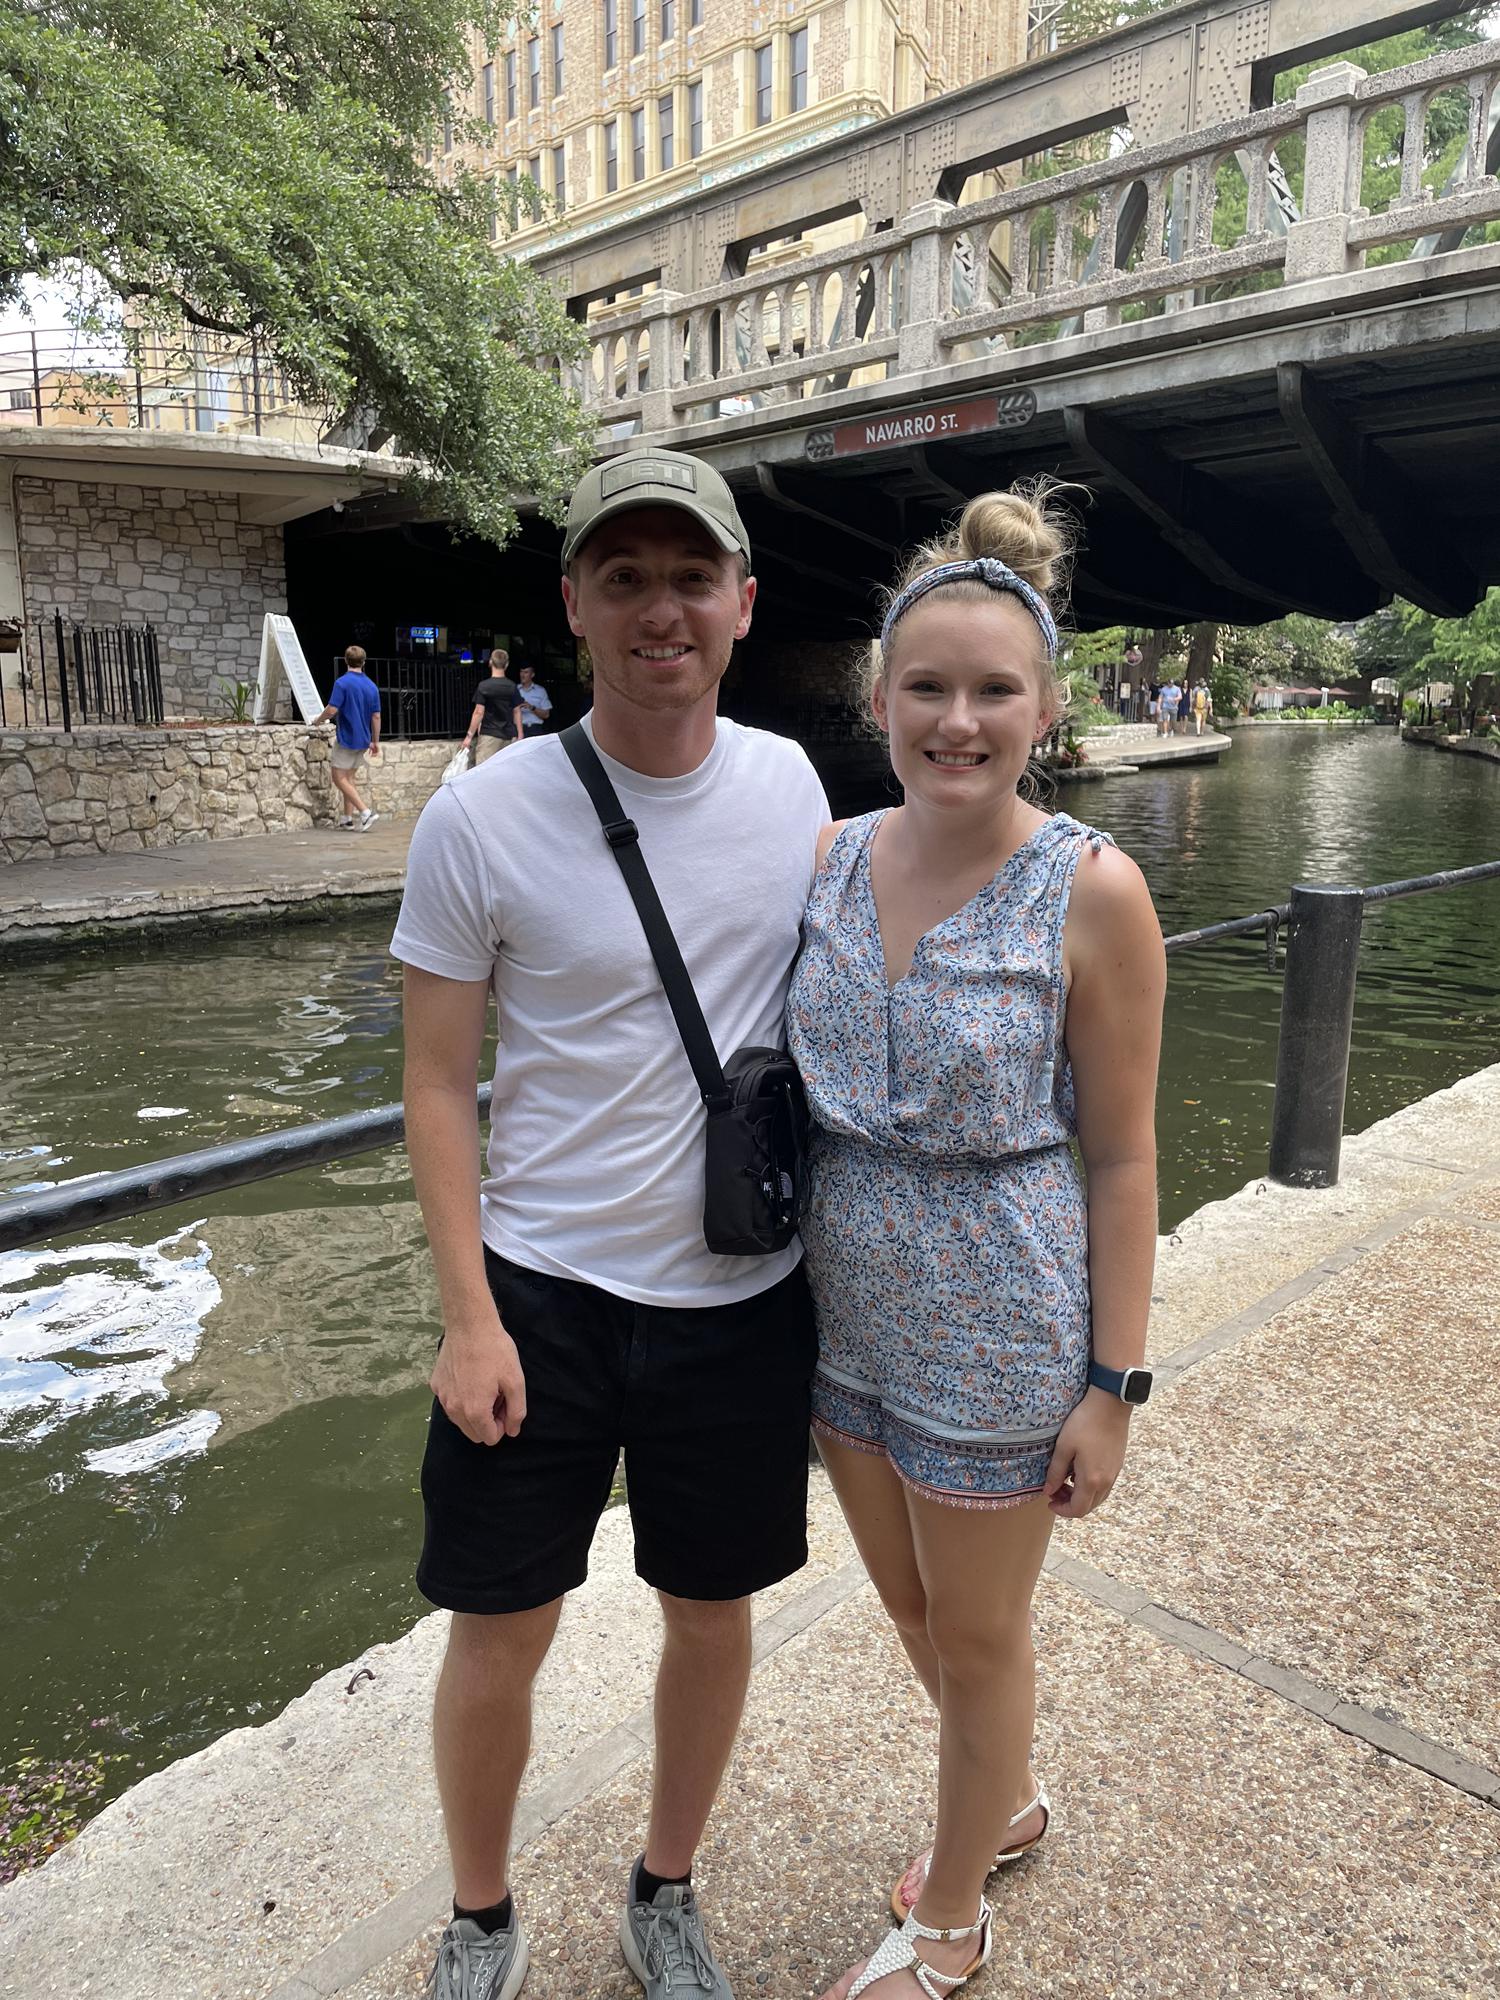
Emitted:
pixel 979 1569
pixel 873 1498
pixel 974 1571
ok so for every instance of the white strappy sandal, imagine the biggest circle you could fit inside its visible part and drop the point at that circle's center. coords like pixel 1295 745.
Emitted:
pixel 898 1953
pixel 908 1891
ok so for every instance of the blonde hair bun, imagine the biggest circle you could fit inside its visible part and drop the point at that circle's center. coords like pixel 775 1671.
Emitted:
pixel 1019 529
pixel 1025 529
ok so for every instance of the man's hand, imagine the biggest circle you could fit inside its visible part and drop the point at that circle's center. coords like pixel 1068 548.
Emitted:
pixel 1088 1455
pixel 374 750
pixel 478 1380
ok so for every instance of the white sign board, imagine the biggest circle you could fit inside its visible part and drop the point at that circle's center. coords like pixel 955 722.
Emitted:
pixel 281 654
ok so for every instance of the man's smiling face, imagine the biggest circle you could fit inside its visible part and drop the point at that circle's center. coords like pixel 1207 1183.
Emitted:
pixel 660 605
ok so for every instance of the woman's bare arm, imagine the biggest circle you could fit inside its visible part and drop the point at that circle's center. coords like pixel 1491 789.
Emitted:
pixel 1118 974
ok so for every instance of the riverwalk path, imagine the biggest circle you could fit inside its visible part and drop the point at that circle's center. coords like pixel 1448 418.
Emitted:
pixel 92 899
pixel 218 883
pixel 1267 1717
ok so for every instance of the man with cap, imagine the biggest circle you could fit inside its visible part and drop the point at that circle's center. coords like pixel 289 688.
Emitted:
pixel 582 1312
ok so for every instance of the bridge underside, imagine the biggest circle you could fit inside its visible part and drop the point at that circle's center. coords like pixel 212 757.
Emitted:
pixel 1250 479
pixel 1323 464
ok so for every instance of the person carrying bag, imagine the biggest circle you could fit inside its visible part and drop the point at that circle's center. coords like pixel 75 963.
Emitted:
pixel 755 1139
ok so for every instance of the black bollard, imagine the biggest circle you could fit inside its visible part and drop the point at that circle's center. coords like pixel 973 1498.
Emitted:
pixel 1317 1014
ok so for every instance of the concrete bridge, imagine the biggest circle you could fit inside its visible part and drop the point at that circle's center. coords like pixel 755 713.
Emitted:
pixel 1277 398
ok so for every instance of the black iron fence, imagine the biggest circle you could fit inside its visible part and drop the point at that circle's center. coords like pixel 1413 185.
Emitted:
pixel 58 375
pixel 85 674
pixel 1321 927
pixel 421 697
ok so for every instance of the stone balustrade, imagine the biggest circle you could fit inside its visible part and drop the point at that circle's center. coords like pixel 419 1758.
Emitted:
pixel 1085 251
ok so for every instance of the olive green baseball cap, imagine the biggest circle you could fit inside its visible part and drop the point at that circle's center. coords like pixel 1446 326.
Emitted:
pixel 654 479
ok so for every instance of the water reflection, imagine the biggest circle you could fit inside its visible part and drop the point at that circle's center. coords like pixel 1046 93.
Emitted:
pixel 88 1337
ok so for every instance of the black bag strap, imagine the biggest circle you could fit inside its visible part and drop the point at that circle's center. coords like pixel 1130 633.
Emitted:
pixel 625 844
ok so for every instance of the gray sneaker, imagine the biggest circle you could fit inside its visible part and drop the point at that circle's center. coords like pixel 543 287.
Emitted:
pixel 665 1948
pixel 472 1964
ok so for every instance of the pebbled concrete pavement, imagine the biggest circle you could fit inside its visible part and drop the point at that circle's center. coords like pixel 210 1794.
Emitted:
pixel 1267 1691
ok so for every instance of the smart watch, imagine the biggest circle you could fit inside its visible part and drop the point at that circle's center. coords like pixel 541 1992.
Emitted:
pixel 1131 1385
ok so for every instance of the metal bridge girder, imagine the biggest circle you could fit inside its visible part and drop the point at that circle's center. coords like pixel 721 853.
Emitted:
pixel 1198 518
pixel 1391 530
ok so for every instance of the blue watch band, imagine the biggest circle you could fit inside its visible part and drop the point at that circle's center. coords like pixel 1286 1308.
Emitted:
pixel 1131 1385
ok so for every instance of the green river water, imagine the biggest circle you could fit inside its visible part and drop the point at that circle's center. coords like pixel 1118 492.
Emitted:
pixel 211 1418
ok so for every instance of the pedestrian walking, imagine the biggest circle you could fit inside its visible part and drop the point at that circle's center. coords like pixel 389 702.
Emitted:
pixel 354 709
pixel 1201 700
pixel 1169 700
pixel 536 703
pixel 981 1309
pixel 497 701
pixel 582 1309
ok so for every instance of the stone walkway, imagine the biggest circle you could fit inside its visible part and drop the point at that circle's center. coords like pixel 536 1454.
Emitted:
pixel 89 899
pixel 1131 745
pixel 1268 1670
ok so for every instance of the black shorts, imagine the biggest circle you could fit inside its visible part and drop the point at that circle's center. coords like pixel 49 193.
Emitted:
pixel 710 1405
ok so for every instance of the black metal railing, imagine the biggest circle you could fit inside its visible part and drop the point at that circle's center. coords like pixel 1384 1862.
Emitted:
pixel 421 698
pixel 1322 928
pixel 52 376
pixel 79 675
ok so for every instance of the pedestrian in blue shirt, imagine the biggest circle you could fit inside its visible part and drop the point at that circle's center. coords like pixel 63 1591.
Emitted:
pixel 354 705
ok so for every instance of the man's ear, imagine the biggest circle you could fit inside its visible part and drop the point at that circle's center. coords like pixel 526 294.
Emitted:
pixel 747 605
pixel 570 601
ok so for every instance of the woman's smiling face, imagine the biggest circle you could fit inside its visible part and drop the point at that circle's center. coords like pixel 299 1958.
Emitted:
pixel 962 699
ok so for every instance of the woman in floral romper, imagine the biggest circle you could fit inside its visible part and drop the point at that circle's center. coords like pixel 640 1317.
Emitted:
pixel 980 987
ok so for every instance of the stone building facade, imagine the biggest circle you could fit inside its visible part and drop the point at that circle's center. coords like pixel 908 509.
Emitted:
pixel 609 107
pixel 115 525
pixel 179 559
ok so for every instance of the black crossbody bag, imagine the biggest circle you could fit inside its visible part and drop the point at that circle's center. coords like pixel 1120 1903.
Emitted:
pixel 756 1137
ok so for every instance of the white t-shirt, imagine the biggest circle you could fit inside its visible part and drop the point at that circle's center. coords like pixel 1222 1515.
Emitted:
pixel 596 1127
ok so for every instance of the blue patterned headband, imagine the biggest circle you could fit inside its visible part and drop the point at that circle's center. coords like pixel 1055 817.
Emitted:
pixel 978 569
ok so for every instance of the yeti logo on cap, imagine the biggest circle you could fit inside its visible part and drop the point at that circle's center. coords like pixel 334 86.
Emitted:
pixel 628 472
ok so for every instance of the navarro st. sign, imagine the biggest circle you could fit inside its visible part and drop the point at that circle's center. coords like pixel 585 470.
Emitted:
pixel 892 429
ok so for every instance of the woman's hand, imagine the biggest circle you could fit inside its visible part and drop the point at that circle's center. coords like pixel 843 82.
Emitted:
pixel 1087 1457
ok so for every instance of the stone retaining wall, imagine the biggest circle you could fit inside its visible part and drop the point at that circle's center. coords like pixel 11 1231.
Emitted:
pixel 103 791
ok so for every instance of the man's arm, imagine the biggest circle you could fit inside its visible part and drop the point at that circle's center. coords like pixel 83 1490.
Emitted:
pixel 477 1377
pixel 474 721
pixel 374 732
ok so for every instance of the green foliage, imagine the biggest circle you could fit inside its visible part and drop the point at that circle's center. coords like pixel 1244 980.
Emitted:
pixel 1391 640
pixel 1460 650
pixel 1291 649
pixel 1230 685
pixel 235 696
pixel 249 169
pixel 43 1806
pixel 1092 650
pixel 1085 711
pixel 1333 711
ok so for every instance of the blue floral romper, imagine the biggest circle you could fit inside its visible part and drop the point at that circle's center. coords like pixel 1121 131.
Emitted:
pixel 946 1229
